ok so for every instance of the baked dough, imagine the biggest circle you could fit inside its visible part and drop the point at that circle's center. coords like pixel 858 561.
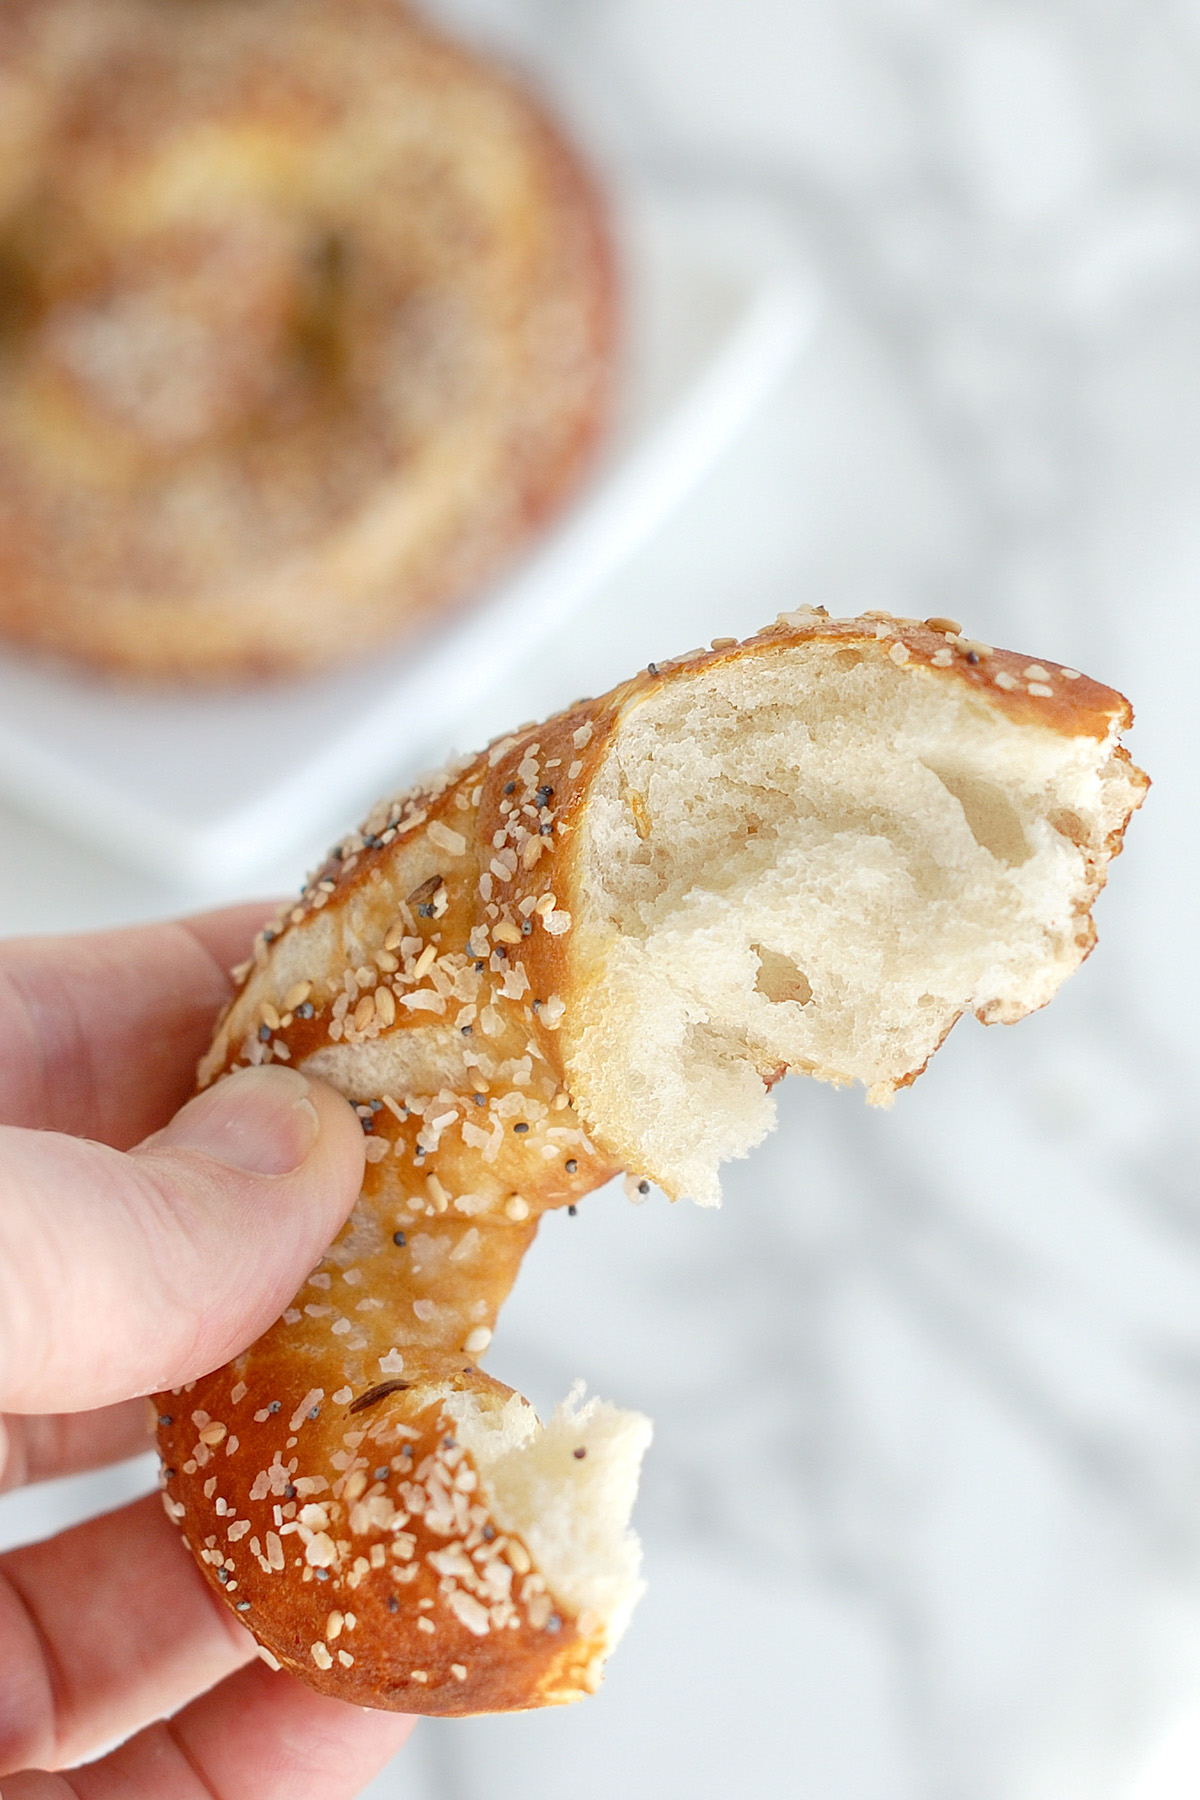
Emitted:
pixel 595 948
pixel 306 325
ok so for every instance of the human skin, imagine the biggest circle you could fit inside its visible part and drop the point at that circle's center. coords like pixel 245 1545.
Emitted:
pixel 140 1246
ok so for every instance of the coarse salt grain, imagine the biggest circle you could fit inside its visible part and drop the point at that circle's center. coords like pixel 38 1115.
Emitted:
pixel 451 841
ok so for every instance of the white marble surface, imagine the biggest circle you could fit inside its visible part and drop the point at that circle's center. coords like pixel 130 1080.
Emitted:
pixel 922 1517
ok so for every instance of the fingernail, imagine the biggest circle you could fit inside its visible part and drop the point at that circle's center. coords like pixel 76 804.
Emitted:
pixel 262 1121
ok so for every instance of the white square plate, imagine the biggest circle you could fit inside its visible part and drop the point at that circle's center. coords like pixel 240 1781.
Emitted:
pixel 205 790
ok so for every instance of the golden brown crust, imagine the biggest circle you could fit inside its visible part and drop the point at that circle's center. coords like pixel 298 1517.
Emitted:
pixel 396 1620
pixel 435 945
pixel 306 325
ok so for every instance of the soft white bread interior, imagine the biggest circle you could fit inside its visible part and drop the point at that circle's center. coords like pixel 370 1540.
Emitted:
pixel 818 861
pixel 566 1489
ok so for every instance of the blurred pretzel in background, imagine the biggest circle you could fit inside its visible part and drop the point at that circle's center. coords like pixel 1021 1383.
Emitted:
pixel 306 325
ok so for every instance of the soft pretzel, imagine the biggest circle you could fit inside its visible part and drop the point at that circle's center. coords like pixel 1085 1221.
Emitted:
pixel 306 321
pixel 595 948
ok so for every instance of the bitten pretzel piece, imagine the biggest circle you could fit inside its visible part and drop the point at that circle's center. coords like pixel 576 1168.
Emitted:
pixel 306 324
pixel 596 947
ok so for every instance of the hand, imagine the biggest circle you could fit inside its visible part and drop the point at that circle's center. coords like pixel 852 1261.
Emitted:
pixel 131 1262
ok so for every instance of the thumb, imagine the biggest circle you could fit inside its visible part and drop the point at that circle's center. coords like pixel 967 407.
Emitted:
pixel 121 1273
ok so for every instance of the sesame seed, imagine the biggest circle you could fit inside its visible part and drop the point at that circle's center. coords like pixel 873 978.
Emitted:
pixel 950 626
pixel 572 1165
pixel 580 1453
pixel 399 1239
pixel 520 1127
pixel 572 1211
pixel 242 1606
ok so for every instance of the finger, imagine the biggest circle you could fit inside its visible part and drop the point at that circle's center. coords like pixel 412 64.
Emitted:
pixel 124 1273
pixel 102 1628
pixel 41 1447
pixel 102 1032
pixel 258 1736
